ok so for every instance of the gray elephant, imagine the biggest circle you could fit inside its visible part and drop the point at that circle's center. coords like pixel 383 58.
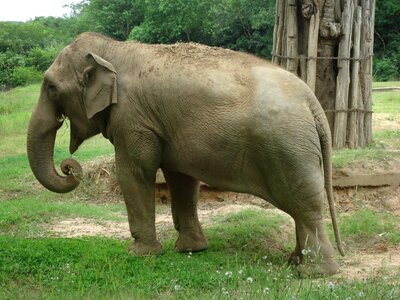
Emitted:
pixel 223 117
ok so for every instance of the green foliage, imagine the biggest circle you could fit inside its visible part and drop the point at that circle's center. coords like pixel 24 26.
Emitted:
pixel 171 21
pixel 8 62
pixel 386 68
pixel 114 18
pixel 42 58
pixel 245 25
pixel 32 46
pixel 387 40
pixel 25 75
pixel 236 24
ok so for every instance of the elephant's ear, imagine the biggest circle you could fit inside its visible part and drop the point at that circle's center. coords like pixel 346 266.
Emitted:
pixel 100 80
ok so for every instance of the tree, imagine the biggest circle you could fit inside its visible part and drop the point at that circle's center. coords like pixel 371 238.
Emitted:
pixel 235 24
pixel 387 41
pixel 171 21
pixel 114 18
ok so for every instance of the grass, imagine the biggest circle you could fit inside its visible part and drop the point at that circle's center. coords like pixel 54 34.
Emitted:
pixel 101 268
pixel 364 225
pixel 386 102
pixel 386 84
pixel 247 252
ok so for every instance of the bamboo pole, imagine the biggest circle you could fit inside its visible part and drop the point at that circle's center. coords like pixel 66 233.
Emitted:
pixel 313 50
pixel 370 51
pixel 279 18
pixel 342 88
pixel 284 35
pixel 365 134
pixel 355 81
pixel 292 43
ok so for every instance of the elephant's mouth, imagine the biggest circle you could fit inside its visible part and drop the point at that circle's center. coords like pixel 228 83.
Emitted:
pixel 75 141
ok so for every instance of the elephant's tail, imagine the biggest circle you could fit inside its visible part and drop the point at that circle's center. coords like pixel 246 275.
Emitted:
pixel 326 149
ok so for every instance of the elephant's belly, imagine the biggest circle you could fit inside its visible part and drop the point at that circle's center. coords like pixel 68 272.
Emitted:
pixel 227 172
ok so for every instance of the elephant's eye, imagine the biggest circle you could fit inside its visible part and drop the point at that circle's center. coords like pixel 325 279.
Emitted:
pixel 51 88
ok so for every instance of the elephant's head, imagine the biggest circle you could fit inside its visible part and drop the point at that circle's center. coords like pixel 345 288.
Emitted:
pixel 79 85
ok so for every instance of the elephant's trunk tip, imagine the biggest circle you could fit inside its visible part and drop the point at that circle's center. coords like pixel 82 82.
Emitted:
pixel 71 167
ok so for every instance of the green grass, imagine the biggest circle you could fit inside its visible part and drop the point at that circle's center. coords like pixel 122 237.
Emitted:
pixel 386 102
pixel 386 84
pixel 101 268
pixel 364 225
pixel 345 157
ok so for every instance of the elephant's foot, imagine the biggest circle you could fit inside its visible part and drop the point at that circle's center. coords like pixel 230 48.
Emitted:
pixel 311 265
pixel 191 241
pixel 325 267
pixel 140 248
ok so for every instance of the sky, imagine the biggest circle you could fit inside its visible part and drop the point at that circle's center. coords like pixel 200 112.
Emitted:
pixel 24 10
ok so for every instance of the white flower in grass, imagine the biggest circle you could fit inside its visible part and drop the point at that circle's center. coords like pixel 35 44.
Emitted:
pixel 228 274
pixel 224 291
pixel 177 287
pixel 361 294
pixel 305 252
pixel 266 290
pixel 249 280
pixel 240 272
pixel 330 285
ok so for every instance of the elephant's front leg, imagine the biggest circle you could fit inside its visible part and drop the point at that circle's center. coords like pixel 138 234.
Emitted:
pixel 184 196
pixel 137 183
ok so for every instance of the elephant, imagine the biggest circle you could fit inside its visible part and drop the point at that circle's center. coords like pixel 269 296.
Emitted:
pixel 200 113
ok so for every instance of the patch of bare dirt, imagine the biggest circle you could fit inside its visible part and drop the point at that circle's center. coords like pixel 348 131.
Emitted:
pixel 363 265
pixel 78 227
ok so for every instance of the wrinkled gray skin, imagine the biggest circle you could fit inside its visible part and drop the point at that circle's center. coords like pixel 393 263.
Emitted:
pixel 226 118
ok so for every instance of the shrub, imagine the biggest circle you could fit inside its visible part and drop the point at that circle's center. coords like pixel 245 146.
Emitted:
pixel 25 75
pixel 386 69
pixel 42 58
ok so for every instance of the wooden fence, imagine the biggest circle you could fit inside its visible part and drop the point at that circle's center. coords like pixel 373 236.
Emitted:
pixel 329 45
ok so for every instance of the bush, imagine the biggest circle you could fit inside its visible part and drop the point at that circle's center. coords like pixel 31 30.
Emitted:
pixel 42 58
pixel 386 69
pixel 8 62
pixel 25 75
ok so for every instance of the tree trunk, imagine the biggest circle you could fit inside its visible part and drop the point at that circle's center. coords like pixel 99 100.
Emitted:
pixel 329 44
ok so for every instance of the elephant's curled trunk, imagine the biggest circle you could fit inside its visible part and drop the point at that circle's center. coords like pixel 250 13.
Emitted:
pixel 42 132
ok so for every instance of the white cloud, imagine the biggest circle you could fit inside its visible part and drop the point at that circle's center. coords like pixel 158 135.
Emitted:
pixel 24 10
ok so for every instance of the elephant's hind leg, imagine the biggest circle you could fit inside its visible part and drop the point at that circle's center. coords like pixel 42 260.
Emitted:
pixel 313 248
pixel 184 195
